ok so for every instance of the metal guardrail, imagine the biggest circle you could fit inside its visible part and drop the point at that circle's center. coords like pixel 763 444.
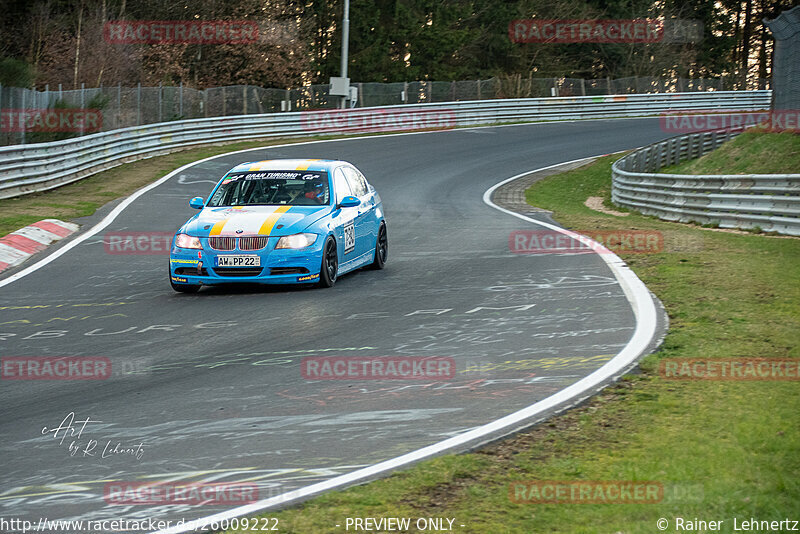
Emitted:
pixel 38 167
pixel 770 202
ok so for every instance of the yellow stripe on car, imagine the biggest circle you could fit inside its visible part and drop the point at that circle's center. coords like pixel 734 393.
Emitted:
pixel 219 225
pixel 257 166
pixel 306 165
pixel 269 222
pixel 217 228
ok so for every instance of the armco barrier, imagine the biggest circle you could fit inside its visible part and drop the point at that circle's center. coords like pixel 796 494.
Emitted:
pixel 37 167
pixel 768 201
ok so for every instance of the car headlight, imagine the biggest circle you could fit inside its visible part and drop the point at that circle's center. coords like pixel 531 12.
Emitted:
pixel 296 241
pixel 187 241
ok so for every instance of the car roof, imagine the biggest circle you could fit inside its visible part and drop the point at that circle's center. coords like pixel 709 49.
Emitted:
pixel 289 164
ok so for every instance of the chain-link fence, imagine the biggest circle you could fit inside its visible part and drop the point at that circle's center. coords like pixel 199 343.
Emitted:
pixel 22 120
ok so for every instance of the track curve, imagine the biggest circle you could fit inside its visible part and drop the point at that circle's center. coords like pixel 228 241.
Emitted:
pixel 210 384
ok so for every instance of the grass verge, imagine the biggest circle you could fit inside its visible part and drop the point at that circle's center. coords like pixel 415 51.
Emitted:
pixel 753 152
pixel 723 450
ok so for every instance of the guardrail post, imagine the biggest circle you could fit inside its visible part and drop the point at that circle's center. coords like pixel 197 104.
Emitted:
pixel 159 101
pixel 24 122
pixel 244 100
pixel 83 102
pixel 139 104
pixel 180 100
pixel 119 105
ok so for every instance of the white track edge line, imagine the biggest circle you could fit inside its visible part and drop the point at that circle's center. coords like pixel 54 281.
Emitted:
pixel 644 310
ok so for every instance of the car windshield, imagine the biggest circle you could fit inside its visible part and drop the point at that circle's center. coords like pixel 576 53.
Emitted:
pixel 296 188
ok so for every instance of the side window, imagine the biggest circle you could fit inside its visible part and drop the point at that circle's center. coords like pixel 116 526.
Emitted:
pixel 363 180
pixel 340 185
pixel 358 185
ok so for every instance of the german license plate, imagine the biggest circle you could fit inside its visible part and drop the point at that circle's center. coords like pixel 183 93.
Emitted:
pixel 237 260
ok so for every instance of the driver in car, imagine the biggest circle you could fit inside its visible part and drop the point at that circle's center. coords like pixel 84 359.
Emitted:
pixel 314 192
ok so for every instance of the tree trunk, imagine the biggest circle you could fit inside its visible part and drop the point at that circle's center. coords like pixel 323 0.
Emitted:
pixel 77 49
pixel 746 34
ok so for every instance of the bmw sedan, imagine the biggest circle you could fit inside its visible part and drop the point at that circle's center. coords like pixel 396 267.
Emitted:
pixel 281 222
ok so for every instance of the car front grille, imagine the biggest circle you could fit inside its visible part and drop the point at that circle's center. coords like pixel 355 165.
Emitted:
pixel 245 243
pixel 222 243
pixel 288 270
pixel 191 271
pixel 238 271
pixel 252 243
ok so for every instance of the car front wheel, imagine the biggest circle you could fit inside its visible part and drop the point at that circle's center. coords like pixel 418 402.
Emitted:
pixel 381 249
pixel 184 288
pixel 330 264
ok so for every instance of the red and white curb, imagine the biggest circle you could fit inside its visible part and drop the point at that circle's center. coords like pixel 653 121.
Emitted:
pixel 18 246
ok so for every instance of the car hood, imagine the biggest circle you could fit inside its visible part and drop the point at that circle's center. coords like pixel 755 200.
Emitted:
pixel 253 220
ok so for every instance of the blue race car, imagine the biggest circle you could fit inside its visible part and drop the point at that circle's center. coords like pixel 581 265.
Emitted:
pixel 281 222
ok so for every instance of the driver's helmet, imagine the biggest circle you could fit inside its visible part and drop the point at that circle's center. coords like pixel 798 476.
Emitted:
pixel 314 189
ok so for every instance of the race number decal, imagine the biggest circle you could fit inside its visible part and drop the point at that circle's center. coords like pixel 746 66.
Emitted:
pixel 349 237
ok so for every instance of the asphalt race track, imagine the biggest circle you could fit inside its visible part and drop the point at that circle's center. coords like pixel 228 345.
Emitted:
pixel 207 387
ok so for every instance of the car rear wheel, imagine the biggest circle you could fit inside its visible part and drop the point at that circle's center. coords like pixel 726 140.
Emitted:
pixel 381 249
pixel 330 264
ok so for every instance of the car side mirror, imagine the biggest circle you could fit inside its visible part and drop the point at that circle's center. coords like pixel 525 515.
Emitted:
pixel 349 202
pixel 197 203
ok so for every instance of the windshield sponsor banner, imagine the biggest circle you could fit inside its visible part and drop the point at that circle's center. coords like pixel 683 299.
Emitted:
pixel 180 31
pixel 51 120
pixel 377 120
pixel 273 175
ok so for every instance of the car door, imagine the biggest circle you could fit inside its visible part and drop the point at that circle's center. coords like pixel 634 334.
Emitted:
pixel 345 219
pixel 364 222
